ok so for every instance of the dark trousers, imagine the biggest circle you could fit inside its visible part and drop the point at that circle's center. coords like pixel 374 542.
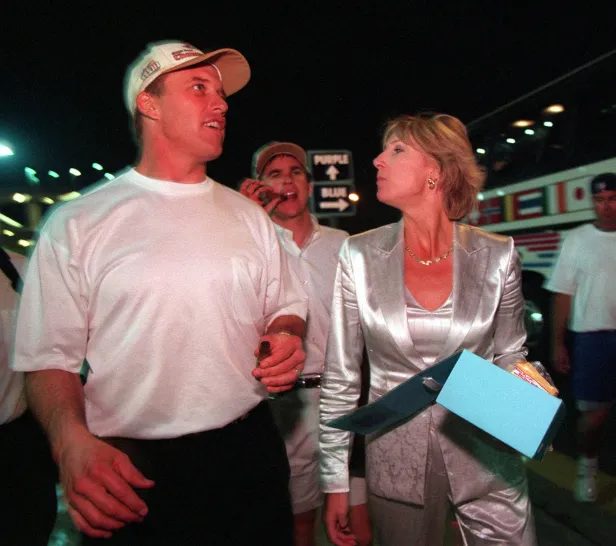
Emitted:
pixel 28 478
pixel 224 487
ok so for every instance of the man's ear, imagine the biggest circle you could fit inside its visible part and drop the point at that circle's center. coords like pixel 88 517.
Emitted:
pixel 310 188
pixel 147 105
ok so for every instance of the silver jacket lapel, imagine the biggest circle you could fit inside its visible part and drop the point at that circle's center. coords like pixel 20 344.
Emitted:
pixel 389 290
pixel 470 266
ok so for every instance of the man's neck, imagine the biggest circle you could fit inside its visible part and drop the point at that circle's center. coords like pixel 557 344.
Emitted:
pixel 161 167
pixel 301 227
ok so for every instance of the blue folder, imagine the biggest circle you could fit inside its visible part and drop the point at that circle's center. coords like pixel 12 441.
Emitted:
pixel 521 415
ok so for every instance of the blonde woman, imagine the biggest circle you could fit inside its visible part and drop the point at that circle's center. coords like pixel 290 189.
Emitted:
pixel 413 293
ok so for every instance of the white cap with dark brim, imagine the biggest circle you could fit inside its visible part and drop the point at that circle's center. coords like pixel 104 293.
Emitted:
pixel 167 56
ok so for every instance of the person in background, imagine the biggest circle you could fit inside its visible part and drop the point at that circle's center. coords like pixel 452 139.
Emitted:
pixel 27 474
pixel 283 185
pixel 412 293
pixel 584 301
pixel 167 284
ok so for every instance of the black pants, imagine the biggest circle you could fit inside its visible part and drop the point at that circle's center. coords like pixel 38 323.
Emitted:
pixel 224 487
pixel 28 478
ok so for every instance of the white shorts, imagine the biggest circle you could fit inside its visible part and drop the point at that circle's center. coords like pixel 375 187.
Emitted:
pixel 297 416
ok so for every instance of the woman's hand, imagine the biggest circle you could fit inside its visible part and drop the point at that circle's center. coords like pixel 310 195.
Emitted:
pixel 336 519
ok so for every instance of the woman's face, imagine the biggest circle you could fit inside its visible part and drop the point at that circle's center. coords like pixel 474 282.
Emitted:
pixel 402 174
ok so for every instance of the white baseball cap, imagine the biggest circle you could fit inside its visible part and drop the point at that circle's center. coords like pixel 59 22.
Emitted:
pixel 166 56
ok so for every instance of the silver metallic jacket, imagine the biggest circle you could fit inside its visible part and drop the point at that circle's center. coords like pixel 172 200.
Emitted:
pixel 369 309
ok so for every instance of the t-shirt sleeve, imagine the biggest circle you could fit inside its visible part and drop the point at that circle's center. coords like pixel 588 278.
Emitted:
pixel 51 331
pixel 563 279
pixel 284 292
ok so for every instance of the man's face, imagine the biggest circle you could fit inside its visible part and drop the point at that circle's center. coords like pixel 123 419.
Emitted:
pixel 286 176
pixel 191 114
pixel 605 207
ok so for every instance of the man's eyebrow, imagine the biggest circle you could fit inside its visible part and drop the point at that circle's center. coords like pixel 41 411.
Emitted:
pixel 273 171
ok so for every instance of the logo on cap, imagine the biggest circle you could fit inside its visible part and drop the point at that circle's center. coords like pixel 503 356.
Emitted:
pixel 150 68
pixel 186 51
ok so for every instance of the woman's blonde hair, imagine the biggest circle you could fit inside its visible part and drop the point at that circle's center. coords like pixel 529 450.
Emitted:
pixel 443 138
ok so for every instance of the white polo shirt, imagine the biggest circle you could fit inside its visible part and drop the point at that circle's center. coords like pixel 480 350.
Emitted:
pixel 586 270
pixel 165 289
pixel 12 396
pixel 315 265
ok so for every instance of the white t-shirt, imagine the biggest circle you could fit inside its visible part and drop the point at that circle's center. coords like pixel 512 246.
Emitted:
pixel 165 289
pixel 12 396
pixel 315 266
pixel 586 270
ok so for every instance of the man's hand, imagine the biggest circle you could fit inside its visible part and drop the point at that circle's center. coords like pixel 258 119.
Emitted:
pixel 261 193
pixel 561 358
pixel 279 371
pixel 336 519
pixel 98 481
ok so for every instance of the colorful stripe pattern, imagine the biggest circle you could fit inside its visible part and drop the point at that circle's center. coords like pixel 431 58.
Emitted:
pixel 558 198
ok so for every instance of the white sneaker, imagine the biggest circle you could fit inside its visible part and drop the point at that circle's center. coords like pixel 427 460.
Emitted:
pixel 586 483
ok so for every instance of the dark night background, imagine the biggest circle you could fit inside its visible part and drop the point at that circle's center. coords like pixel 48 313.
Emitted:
pixel 326 75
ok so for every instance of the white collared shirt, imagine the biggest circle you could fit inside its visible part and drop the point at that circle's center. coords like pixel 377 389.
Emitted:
pixel 315 265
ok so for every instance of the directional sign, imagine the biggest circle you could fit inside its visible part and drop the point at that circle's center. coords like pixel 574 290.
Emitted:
pixel 332 199
pixel 330 165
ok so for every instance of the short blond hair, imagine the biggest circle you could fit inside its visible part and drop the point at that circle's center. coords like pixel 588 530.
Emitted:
pixel 444 138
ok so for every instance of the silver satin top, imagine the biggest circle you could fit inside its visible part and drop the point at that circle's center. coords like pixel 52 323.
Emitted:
pixel 428 329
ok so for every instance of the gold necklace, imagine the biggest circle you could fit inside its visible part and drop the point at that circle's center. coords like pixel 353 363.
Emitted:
pixel 429 262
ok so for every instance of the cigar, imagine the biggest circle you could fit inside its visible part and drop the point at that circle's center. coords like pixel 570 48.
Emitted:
pixel 264 351
pixel 267 196
pixel 527 372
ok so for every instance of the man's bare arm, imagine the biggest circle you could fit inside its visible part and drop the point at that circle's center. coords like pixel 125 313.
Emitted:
pixel 561 310
pixel 56 398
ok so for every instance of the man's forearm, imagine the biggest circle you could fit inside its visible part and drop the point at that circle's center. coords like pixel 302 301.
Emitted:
pixel 57 400
pixel 288 323
pixel 561 309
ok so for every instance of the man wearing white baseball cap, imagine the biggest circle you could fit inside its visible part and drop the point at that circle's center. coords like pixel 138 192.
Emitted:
pixel 166 283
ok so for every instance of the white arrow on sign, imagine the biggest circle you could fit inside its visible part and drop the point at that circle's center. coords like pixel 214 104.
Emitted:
pixel 341 205
pixel 332 172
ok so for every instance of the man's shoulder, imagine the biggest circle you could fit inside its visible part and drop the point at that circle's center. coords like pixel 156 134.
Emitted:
pixel 236 200
pixel 89 200
pixel 581 236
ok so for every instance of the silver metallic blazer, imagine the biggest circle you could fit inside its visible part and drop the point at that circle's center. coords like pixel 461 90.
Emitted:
pixel 369 309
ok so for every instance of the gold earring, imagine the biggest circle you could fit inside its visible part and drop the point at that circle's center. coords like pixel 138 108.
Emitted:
pixel 431 184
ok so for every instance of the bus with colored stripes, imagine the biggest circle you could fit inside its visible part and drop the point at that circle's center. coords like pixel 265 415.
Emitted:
pixel 540 152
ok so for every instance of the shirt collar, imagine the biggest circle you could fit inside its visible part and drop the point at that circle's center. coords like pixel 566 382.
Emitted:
pixel 286 236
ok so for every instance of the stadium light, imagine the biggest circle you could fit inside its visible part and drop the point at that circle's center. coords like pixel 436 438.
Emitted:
pixel 109 176
pixel 74 172
pixel 554 109
pixel 353 197
pixel 6 151
pixel 97 166
pixel 53 174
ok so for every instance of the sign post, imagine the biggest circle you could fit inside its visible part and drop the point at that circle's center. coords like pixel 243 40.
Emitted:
pixel 332 173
